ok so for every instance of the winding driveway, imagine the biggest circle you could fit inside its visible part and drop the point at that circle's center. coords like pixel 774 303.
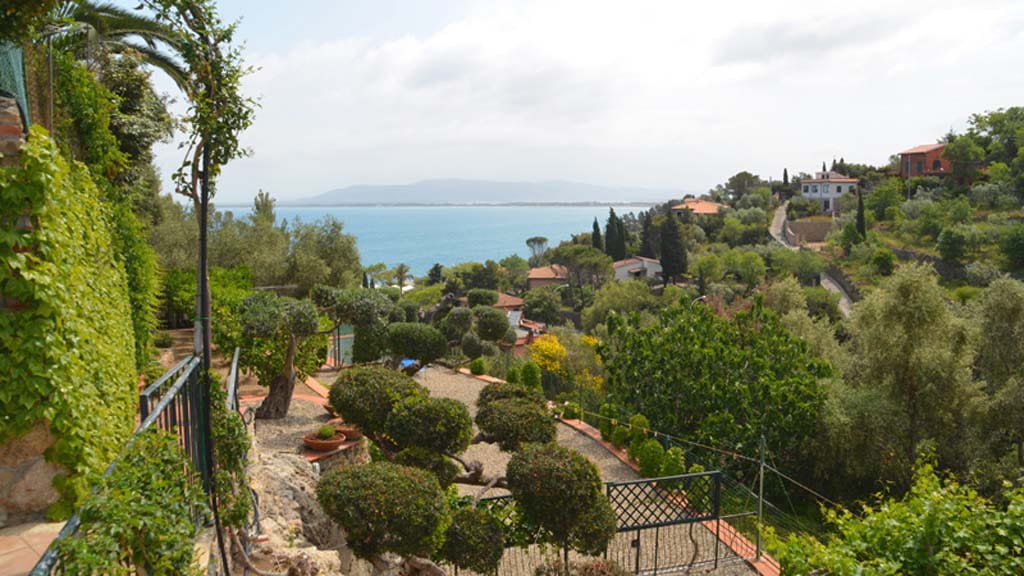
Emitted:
pixel 827 281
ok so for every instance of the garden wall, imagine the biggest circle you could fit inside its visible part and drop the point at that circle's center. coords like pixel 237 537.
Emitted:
pixel 948 270
pixel 68 388
pixel 811 231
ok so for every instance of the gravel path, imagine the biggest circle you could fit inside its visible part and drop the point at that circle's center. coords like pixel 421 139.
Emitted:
pixel 678 542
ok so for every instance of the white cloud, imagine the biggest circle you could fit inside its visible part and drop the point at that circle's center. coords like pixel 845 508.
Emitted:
pixel 663 94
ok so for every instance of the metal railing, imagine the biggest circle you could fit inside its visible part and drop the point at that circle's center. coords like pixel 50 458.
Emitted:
pixel 180 410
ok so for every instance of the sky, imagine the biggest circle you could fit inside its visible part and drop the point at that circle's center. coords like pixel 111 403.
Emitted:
pixel 663 94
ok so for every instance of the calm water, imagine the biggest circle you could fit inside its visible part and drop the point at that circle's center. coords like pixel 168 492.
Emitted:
pixel 422 235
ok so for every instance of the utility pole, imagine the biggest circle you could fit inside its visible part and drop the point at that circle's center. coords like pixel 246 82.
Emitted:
pixel 760 501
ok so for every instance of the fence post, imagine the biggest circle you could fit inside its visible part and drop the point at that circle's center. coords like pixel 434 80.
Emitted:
pixel 760 502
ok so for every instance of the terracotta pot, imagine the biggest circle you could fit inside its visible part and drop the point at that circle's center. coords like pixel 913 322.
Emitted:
pixel 351 431
pixel 317 444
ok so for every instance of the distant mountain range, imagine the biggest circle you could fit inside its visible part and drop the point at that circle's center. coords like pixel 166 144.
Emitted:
pixel 454 191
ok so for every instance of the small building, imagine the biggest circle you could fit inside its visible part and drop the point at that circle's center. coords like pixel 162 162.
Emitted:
pixel 699 207
pixel 827 188
pixel 506 302
pixel 637 267
pixel 556 274
pixel 925 160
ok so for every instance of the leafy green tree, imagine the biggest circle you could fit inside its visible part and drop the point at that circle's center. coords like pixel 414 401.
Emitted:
pixel 538 245
pixel 595 236
pixel 737 379
pixel 888 194
pixel 586 265
pixel 883 261
pixel 965 155
pixel 908 347
pixel 435 275
pixel 23 18
pixel 401 275
pixel 747 267
pixel 648 246
pixel 708 268
pixel 626 297
pixel 613 243
pixel 420 342
pixel 514 270
pixel 952 245
pixel 862 227
pixel 785 296
pixel 673 251
pixel 542 304
pixel 1013 247
pixel 271 321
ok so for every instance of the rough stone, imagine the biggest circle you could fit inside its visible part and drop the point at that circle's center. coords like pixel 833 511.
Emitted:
pixel 26 478
pixel 31 445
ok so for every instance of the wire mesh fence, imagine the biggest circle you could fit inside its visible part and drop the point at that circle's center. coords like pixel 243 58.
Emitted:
pixel 12 77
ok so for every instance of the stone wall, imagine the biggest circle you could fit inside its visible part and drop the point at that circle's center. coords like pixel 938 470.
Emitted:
pixel 811 231
pixel 12 131
pixel 26 488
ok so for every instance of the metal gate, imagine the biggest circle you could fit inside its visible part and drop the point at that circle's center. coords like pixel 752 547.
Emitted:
pixel 667 524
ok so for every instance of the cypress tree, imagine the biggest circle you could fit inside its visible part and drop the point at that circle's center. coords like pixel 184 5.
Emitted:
pixel 595 236
pixel 611 234
pixel 622 238
pixel 823 166
pixel 785 178
pixel 833 165
pixel 861 224
pixel 673 251
pixel 647 249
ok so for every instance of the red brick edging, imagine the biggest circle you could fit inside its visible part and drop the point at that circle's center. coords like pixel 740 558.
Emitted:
pixel 737 542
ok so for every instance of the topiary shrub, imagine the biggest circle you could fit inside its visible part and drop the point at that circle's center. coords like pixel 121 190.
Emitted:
pixel 481 297
pixel 650 456
pixel 420 342
pixel 512 375
pixel 491 323
pixel 456 323
pixel 505 390
pixel 366 396
pixel 444 469
pixel 620 436
pixel 571 410
pixel 386 507
pixel 638 426
pixel 471 345
pixel 674 462
pixel 325 432
pixel 530 376
pixel 478 367
pixel 440 425
pixel 560 491
pixel 512 422
pixel 474 541
pixel 884 261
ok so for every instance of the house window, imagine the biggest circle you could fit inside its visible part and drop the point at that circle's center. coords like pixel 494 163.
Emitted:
pixel 826 205
pixel 920 167
pixel 839 188
pixel 936 165
pixel 806 188
pixel 814 188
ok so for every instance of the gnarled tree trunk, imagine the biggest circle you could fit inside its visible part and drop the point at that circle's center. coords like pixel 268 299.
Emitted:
pixel 279 399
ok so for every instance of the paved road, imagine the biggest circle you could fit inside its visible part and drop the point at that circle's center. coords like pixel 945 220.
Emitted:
pixel 827 282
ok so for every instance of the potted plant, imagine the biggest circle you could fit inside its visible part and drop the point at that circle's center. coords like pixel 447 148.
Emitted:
pixel 351 431
pixel 326 439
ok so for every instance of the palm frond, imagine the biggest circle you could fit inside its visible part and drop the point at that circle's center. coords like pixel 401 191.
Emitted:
pixel 157 59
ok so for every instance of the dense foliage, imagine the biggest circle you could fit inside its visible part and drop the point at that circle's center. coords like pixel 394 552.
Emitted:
pixel 729 381
pixel 66 347
pixel 475 540
pixel 141 516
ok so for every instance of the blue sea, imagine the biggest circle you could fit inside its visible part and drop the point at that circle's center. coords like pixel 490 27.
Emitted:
pixel 419 236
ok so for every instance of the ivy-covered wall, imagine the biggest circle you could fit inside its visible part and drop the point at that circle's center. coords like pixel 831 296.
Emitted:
pixel 66 343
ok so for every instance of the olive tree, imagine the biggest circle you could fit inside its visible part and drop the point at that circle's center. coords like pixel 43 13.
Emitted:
pixel 422 440
pixel 274 330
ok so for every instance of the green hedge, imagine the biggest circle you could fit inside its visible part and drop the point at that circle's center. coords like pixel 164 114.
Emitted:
pixel 67 355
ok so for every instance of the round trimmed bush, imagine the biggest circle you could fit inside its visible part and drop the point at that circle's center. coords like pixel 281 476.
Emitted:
pixel 481 297
pixel 444 469
pixel 530 376
pixel 474 541
pixel 674 462
pixel 491 323
pixel 478 367
pixel 555 487
pixel 650 456
pixel 505 390
pixel 437 424
pixel 457 323
pixel 620 436
pixel 516 421
pixel 638 426
pixel 610 413
pixel 420 342
pixel 472 347
pixel 512 376
pixel 386 507
pixel 366 396
pixel 594 529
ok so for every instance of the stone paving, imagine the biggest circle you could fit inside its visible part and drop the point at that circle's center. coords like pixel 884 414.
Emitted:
pixel 21 546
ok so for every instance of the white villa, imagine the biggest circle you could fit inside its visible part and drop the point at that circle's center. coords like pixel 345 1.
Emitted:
pixel 827 188
pixel 637 267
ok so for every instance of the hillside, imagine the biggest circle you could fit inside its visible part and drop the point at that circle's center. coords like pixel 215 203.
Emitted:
pixel 457 191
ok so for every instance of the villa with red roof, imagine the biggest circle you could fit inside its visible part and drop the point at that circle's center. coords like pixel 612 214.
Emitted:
pixel 698 206
pixel 546 275
pixel 925 160
pixel 827 188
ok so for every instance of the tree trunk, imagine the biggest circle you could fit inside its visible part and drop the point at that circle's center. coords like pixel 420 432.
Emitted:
pixel 277 402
